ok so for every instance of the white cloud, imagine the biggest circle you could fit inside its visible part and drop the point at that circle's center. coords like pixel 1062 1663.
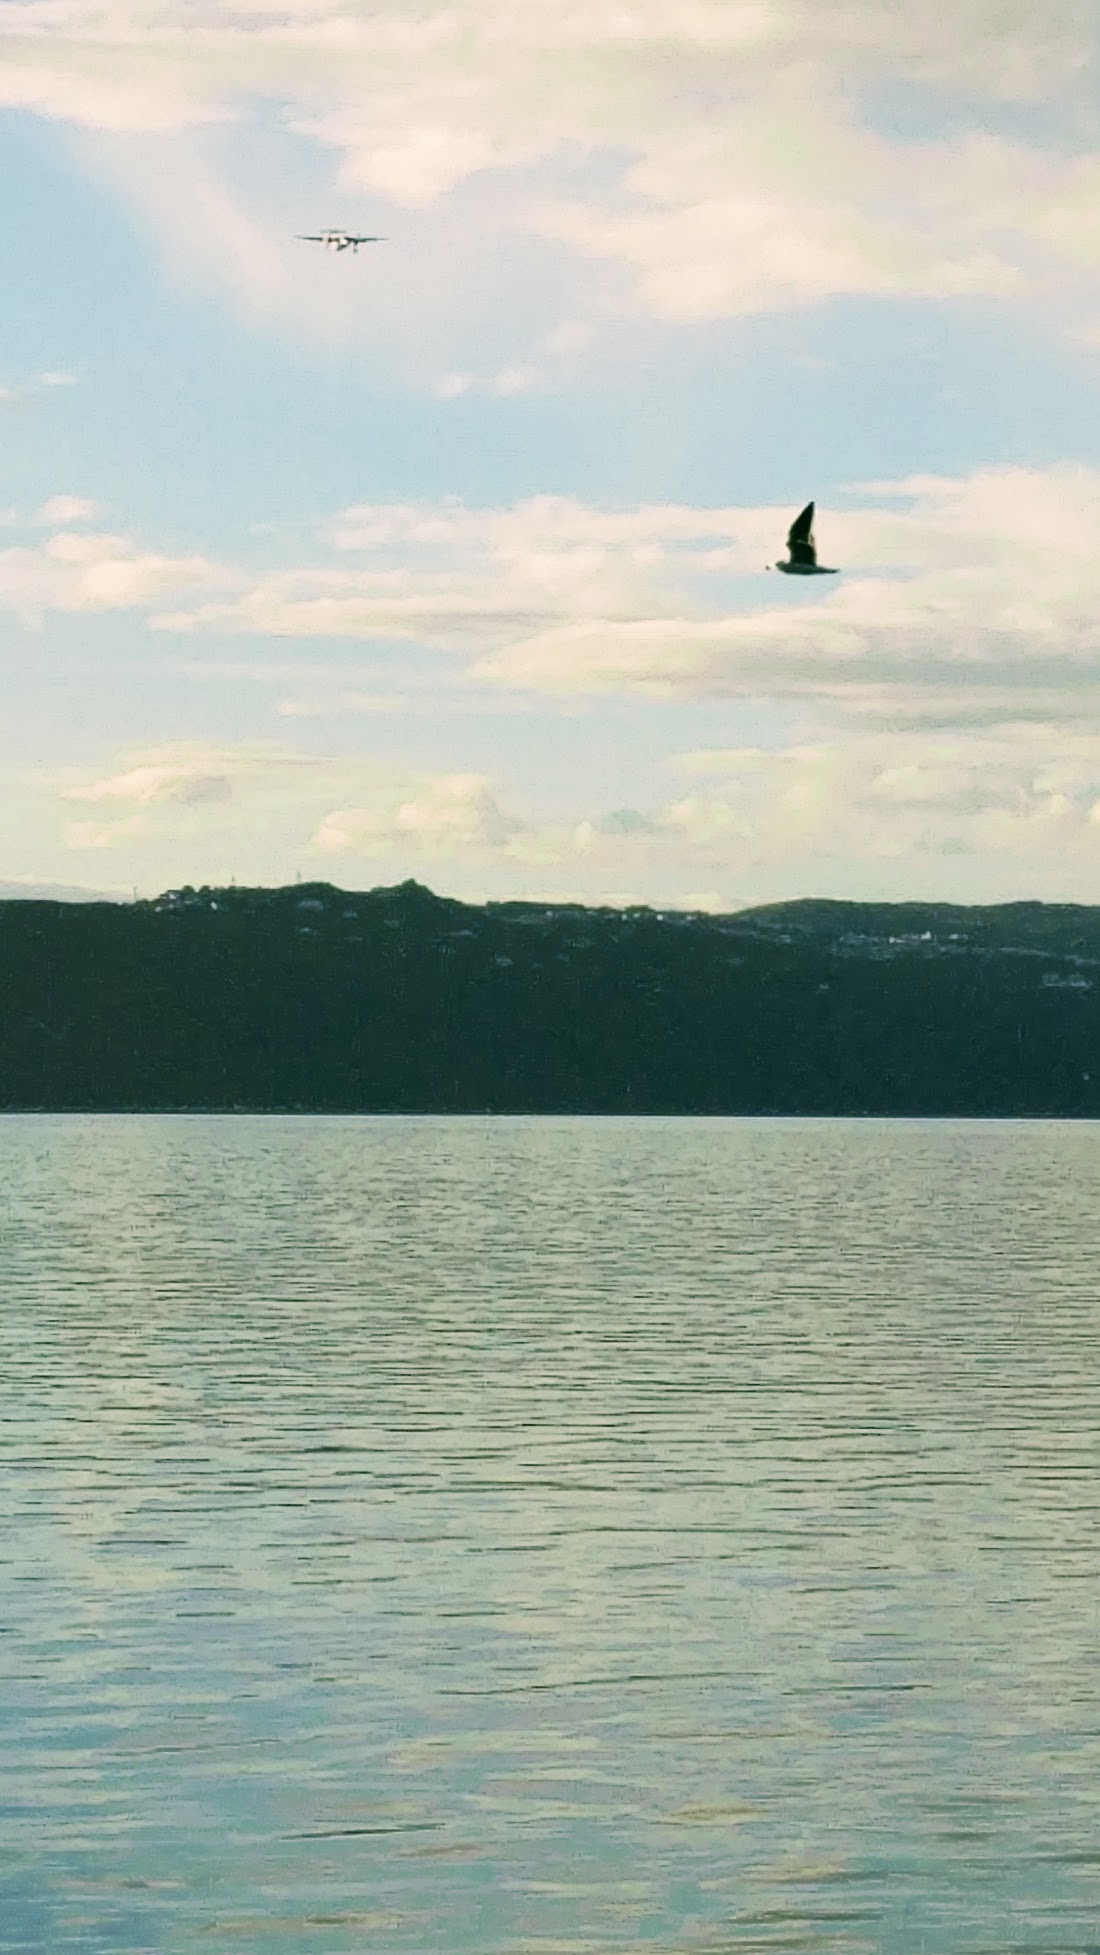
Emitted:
pixel 92 571
pixel 338 705
pixel 181 770
pixel 194 791
pixel 465 578
pixel 61 510
pixel 1022 800
pixel 1020 793
pixel 516 76
pixel 448 815
pixel 567 340
pixel 562 344
pixel 190 783
pixel 100 835
pixel 504 383
pixel 792 206
pixel 26 389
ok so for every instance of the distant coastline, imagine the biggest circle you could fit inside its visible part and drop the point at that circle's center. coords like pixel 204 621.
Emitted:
pixel 312 999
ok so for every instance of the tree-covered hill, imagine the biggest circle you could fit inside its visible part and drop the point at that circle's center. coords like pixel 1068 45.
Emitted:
pixel 399 1000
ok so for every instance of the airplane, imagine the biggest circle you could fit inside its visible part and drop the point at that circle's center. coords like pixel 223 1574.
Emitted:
pixel 802 560
pixel 337 240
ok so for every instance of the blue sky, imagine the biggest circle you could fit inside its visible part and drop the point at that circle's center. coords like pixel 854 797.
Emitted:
pixel 447 560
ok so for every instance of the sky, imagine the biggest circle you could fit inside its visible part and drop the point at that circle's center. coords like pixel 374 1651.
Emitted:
pixel 448 559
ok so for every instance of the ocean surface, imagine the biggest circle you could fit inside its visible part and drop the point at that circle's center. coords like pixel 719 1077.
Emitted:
pixel 541 1537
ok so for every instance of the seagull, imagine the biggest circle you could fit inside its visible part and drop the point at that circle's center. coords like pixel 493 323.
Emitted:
pixel 802 560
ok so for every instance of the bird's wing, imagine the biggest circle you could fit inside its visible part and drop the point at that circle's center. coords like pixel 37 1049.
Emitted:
pixel 801 530
pixel 310 237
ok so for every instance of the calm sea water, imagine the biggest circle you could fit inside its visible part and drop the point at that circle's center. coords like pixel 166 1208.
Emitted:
pixel 473 1537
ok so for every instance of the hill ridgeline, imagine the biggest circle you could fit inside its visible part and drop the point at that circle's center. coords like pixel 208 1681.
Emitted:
pixel 395 1000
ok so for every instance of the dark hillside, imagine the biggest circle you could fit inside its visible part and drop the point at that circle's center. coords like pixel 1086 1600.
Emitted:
pixel 399 1000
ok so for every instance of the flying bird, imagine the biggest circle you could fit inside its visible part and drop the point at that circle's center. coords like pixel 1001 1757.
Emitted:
pixel 802 558
pixel 337 240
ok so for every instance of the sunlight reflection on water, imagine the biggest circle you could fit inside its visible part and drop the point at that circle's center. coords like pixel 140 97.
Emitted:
pixel 476 1537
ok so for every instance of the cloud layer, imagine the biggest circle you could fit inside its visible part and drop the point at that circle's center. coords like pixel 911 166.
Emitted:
pixel 941 701
pixel 920 810
pixel 964 599
pixel 725 157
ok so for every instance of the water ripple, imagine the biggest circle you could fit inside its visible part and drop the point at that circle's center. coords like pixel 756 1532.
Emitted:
pixel 490 1537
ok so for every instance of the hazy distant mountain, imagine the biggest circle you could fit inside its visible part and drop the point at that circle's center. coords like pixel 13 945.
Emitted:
pixel 396 1000
pixel 56 892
